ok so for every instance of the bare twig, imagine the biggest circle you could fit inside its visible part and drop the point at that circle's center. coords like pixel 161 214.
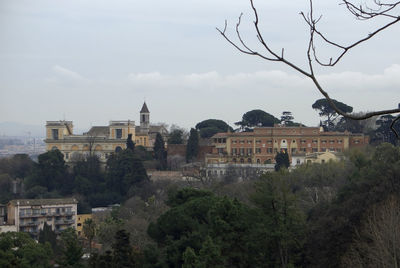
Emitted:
pixel 360 12
pixel 392 126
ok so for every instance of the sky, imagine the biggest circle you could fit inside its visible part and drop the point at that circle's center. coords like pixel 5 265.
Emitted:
pixel 91 61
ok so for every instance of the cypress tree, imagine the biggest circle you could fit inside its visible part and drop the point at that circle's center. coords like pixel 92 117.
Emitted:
pixel 192 148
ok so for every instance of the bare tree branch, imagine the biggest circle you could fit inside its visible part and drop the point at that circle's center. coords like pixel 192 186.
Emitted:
pixel 382 10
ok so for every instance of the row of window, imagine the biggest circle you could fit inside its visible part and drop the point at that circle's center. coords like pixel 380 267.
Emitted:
pixel 284 141
pixel 44 211
pixel 219 140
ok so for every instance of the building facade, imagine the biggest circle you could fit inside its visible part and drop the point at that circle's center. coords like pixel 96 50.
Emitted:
pixel 81 218
pixel 29 215
pixel 262 145
pixel 100 141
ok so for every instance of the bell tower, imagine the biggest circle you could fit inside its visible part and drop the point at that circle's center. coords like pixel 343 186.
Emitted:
pixel 144 119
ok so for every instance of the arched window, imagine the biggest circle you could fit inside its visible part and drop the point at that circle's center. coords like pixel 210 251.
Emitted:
pixel 54 148
pixel 118 149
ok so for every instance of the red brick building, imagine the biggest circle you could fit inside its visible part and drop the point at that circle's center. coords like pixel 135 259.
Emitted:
pixel 261 145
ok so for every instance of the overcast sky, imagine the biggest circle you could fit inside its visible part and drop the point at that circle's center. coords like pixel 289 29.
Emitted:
pixel 91 61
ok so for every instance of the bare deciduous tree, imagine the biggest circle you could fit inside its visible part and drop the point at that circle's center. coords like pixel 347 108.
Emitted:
pixel 378 242
pixel 386 10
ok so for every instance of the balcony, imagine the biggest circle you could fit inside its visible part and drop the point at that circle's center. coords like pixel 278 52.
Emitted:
pixel 64 222
pixel 31 223
pixel 29 215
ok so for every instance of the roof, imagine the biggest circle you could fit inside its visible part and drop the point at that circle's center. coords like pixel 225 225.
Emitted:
pixel 144 108
pixel 38 202
pixel 99 131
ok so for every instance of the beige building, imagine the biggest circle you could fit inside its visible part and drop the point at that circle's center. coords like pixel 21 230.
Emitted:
pixel 262 145
pixel 81 218
pixel 100 141
pixel 29 215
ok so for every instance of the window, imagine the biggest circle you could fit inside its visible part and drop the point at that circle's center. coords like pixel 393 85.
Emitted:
pixel 249 151
pixel 258 141
pixel 323 141
pixel 294 150
pixel 54 133
pixel 241 160
pixel 322 161
pixel 248 160
pixel 241 151
pixel 315 141
pixel 314 150
pixel 258 150
pixel 298 161
pixel 269 150
pixel 118 133
pixel 331 141
pixel 249 141
pixel 258 161
pixel 339 141
pixel 234 151
pixel 293 141
pixel 66 155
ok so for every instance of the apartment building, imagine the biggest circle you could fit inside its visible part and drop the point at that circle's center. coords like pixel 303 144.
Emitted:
pixel 30 215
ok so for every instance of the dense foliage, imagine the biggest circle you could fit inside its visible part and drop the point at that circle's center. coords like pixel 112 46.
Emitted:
pixel 209 127
pixel 325 110
pixel 257 118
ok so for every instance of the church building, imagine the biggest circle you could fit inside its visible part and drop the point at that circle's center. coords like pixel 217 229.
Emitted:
pixel 101 140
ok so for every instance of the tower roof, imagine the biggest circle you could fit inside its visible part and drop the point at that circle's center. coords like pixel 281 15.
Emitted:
pixel 144 108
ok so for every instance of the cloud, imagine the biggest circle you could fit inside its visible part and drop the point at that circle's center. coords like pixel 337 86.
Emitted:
pixel 66 73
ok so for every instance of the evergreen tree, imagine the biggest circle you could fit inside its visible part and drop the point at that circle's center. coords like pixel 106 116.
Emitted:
pixel 159 152
pixel 124 170
pixel 129 143
pixel 51 173
pixel 257 118
pixel 18 249
pixel 48 235
pixel 122 250
pixel 283 221
pixel 176 137
pixel 71 249
pixel 325 110
pixel 281 160
pixel 287 118
pixel 192 148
